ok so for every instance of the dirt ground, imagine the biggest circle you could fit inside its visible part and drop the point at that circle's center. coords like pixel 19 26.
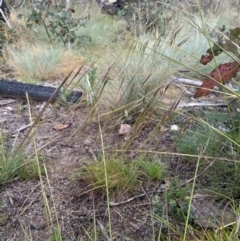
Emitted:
pixel 79 209
pixel 74 205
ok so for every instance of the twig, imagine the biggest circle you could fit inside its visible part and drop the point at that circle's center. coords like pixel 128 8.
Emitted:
pixel 183 88
pixel 187 81
pixel 13 207
pixel 112 204
pixel 4 17
pixel 237 228
pixel 160 190
pixel 103 230
pixel 92 153
pixel 20 214
pixel 225 226
pixel 195 104
pixel 6 102
pixel 22 128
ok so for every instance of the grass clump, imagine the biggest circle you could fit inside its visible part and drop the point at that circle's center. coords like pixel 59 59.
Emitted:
pixel 147 64
pixel 29 170
pixel 15 165
pixel 102 34
pixel 56 236
pixel 219 168
pixel 122 176
pixel 195 138
pixel 9 167
pixel 9 164
pixel 40 62
pixel 153 169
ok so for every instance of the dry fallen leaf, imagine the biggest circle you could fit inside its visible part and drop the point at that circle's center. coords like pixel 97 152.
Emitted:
pixel 222 74
pixel 124 129
pixel 59 127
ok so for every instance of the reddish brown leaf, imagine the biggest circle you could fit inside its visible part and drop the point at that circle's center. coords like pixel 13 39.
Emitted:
pixel 222 74
pixel 206 58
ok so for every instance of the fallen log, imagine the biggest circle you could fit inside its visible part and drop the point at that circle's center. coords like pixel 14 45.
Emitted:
pixel 15 89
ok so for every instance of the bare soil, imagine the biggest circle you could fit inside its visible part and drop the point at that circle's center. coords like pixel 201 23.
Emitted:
pixel 31 210
pixel 79 209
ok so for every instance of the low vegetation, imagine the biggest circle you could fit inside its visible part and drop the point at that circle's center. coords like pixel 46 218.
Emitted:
pixel 128 64
pixel 41 62
pixel 122 176
pixel 16 165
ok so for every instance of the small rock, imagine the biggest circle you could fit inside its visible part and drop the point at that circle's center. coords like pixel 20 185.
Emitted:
pixel 88 141
pixel 111 1
pixel 124 129
pixel 32 227
pixel 174 128
pixel 9 108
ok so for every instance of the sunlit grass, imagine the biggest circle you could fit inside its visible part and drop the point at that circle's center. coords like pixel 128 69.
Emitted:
pixel 41 62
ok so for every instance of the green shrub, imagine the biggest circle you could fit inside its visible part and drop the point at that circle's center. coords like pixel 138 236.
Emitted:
pixel 57 20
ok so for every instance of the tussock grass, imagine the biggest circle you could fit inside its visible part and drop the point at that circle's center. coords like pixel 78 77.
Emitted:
pixel 41 62
pixel 16 165
pixel 153 169
pixel 102 34
pixel 122 176
pixel 194 138
pixel 147 63
pixel 10 168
